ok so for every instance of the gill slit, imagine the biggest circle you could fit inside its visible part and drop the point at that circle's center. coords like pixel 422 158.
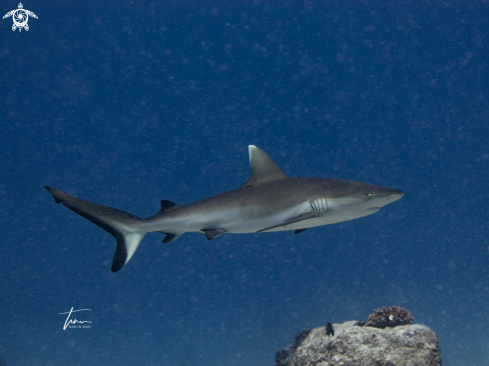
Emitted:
pixel 319 204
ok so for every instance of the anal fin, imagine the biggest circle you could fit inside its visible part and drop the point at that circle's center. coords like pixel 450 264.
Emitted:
pixel 306 216
pixel 170 237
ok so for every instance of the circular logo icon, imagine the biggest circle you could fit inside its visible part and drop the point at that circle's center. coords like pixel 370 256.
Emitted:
pixel 20 18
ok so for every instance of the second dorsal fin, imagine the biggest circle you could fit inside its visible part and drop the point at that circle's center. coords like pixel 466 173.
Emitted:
pixel 263 168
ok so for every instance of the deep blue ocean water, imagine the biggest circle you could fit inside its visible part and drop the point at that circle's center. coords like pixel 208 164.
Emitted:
pixel 125 103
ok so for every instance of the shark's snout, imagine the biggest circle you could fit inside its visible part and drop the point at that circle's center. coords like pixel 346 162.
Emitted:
pixel 396 194
pixel 380 191
pixel 391 195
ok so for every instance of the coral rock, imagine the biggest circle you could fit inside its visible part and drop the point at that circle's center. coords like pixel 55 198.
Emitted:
pixel 389 317
pixel 404 345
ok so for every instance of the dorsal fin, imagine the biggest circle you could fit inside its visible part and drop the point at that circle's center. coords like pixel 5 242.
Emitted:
pixel 166 205
pixel 263 168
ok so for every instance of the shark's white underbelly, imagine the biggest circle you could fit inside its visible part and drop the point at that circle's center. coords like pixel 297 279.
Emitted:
pixel 326 219
pixel 252 224
pixel 243 220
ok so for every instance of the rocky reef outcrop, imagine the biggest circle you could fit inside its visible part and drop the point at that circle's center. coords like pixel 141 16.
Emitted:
pixel 354 343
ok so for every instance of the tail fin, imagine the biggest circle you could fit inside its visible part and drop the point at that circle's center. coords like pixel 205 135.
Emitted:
pixel 121 225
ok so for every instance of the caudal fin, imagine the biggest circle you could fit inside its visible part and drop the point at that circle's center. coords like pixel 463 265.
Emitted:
pixel 121 225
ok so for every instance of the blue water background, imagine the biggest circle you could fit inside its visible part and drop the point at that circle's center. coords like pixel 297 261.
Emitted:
pixel 125 103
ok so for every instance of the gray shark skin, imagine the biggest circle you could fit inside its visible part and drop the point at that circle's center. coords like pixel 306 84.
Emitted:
pixel 269 201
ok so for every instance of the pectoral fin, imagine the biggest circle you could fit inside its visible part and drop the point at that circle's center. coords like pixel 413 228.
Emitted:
pixel 298 231
pixel 306 216
pixel 212 234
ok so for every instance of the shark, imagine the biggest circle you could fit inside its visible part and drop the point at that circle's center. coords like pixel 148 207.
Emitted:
pixel 269 201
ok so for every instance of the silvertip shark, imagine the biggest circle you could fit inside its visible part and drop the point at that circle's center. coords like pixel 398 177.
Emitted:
pixel 269 201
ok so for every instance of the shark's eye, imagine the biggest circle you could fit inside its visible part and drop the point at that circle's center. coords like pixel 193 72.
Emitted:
pixel 370 196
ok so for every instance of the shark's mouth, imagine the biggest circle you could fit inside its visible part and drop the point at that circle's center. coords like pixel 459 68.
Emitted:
pixel 373 209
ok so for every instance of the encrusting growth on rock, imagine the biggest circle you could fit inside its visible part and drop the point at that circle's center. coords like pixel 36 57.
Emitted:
pixel 329 329
pixel 389 317
pixel 282 357
pixel 300 336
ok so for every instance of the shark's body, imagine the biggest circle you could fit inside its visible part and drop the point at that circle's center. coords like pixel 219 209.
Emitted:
pixel 269 201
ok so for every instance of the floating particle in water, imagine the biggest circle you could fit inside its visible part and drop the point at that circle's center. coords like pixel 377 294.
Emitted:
pixel 410 20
